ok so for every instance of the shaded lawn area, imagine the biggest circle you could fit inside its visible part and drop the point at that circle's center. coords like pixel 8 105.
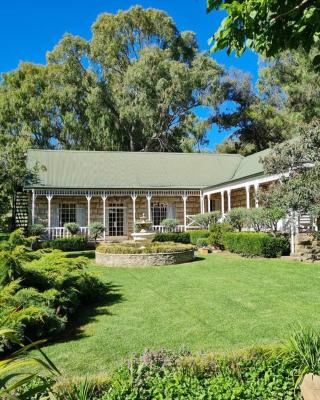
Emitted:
pixel 220 303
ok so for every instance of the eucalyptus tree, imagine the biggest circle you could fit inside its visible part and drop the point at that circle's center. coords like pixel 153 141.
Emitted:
pixel 135 85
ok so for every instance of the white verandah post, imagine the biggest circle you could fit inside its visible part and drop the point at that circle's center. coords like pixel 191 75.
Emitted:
pixel 248 196
pixel 184 198
pixel 208 197
pixel 34 196
pixel 49 198
pixel 201 203
pixel 256 190
pixel 229 199
pixel 104 198
pixel 89 197
pixel 149 197
pixel 134 198
pixel 222 203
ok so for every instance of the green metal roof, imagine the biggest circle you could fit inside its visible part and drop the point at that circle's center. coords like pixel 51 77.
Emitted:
pixel 131 170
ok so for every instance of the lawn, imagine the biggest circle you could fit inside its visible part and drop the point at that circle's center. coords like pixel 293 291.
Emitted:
pixel 219 303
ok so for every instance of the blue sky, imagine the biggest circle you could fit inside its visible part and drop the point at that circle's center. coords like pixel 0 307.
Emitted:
pixel 29 28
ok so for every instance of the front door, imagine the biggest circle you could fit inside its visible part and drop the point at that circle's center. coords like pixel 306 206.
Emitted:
pixel 117 220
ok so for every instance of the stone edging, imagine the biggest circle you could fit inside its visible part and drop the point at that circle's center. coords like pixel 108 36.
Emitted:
pixel 144 260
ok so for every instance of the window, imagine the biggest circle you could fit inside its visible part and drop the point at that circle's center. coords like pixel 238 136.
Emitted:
pixel 159 213
pixel 67 213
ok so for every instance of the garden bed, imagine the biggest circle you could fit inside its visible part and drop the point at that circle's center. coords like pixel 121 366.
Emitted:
pixel 151 254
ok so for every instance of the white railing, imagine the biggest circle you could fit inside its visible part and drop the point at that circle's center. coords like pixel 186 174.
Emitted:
pixel 62 232
pixel 191 223
pixel 161 228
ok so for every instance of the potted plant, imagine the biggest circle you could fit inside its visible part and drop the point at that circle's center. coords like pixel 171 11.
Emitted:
pixel 203 246
pixel 72 228
pixel 96 230
pixel 170 224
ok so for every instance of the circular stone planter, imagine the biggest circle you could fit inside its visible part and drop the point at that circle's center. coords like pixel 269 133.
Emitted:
pixel 144 260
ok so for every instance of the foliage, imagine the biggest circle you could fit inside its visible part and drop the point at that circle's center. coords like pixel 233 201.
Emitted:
pixel 138 248
pixel 257 218
pixel 177 237
pixel 303 349
pixel 96 230
pixel 36 230
pixel 237 217
pixel 134 86
pixel 205 219
pixel 19 369
pixel 74 243
pixel 242 376
pixel 216 233
pixel 198 234
pixel 170 224
pixel 72 228
pixel 267 26
pixel 202 242
pixel 300 158
pixel 49 289
pixel 256 244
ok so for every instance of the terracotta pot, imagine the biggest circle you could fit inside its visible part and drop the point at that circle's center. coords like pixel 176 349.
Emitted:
pixel 204 250
pixel 310 387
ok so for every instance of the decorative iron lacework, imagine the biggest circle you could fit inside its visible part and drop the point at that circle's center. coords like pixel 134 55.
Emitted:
pixel 115 192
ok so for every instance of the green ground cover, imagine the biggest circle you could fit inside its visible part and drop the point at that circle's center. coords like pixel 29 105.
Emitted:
pixel 219 303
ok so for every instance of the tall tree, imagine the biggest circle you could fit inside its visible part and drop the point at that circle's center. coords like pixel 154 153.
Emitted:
pixel 267 26
pixel 135 86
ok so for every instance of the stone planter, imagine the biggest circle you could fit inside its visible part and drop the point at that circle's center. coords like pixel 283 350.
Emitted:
pixel 310 387
pixel 144 260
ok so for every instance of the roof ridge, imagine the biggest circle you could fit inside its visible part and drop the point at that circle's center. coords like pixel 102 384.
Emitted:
pixel 134 152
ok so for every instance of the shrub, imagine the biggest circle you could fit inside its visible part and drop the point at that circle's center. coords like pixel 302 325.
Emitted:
pixel 256 244
pixel 96 230
pixel 49 290
pixel 166 375
pixel 273 216
pixel 74 243
pixel 177 237
pixel 202 242
pixel 36 230
pixel 204 220
pixel 170 224
pixel 198 234
pixel 139 248
pixel 257 218
pixel 216 233
pixel 72 227
pixel 237 217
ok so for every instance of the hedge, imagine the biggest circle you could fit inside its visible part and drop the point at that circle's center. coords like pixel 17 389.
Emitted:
pixel 198 234
pixel 74 243
pixel 177 237
pixel 256 244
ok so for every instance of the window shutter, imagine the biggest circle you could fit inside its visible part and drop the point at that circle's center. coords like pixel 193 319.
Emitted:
pixel 81 214
pixel 171 211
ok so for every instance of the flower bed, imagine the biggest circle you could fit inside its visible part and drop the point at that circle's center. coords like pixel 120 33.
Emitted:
pixel 137 254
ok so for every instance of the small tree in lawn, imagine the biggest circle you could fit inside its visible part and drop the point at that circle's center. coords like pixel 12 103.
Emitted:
pixel 237 217
pixel 206 219
pixel 72 227
pixel 257 218
pixel 96 230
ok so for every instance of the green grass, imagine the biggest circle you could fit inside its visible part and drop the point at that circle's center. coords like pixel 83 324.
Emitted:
pixel 219 303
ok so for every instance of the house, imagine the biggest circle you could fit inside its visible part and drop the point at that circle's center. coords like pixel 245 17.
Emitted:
pixel 116 188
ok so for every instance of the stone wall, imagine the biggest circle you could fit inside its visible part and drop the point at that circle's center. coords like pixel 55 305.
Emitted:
pixel 144 260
